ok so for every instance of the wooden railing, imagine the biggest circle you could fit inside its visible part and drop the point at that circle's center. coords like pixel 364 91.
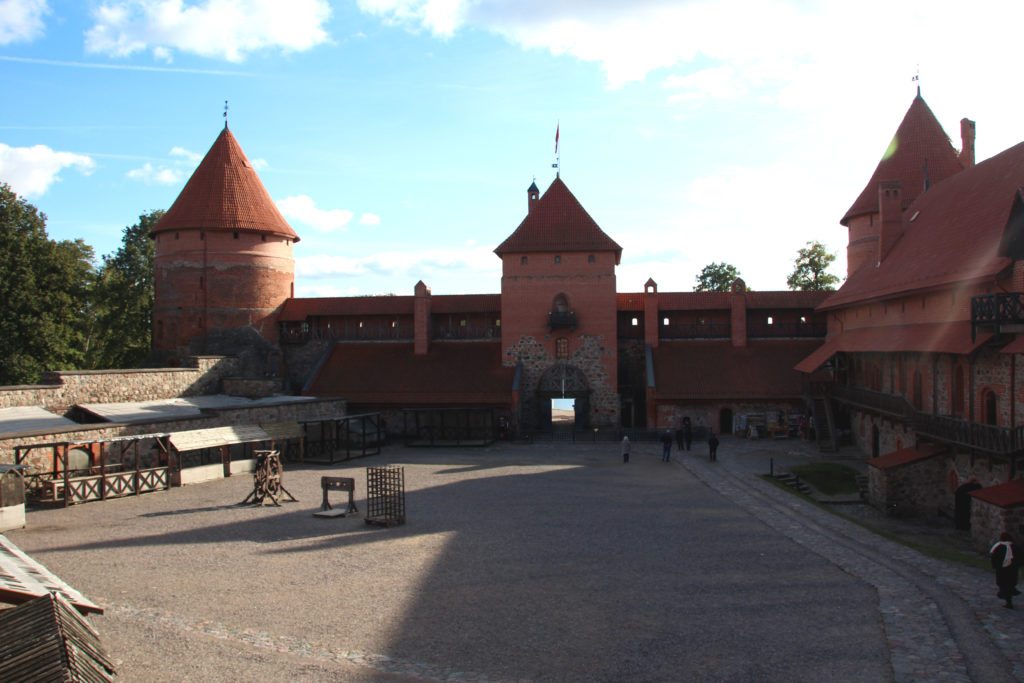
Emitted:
pixel 1005 308
pixel 82 489
pixel 941 428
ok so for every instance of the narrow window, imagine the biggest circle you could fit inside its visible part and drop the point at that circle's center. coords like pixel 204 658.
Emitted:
pixel 175 235
pixel 263 238
pixel 803 320
pixel 497 323
pixel 523 260
pixel 591 258
pixel 202 235
pixel 235 234
pixel 561 348
pixel 770 321
pixel 634 322
pixel 558 259
pixel 462 323
pixel 664 321
pixel 202 282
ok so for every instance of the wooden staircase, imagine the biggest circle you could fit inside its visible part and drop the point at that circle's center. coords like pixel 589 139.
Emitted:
pixel 824 425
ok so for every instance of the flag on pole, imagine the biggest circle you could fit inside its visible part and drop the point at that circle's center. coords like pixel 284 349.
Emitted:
pixel 557 126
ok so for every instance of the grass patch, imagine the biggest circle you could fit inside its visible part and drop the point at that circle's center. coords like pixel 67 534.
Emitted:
pixel 907 538
pixel 829 478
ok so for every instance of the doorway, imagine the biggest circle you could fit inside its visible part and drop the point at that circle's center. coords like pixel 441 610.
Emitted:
pixel 725 421
pixel 962 515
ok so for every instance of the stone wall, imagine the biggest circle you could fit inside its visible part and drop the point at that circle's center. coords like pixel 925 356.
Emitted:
pixel 708 413
pixel 915 489
pixel 63 389
pixel 284 412
pixel 301 360
pixel 589 358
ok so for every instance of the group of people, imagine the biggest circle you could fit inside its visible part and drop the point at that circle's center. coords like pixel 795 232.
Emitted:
pixel 683 437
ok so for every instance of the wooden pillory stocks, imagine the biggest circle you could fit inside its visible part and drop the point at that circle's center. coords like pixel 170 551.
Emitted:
pixel 266 480
pixel 337 484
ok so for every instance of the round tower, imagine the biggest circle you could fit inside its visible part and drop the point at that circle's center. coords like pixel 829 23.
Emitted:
pixel 223 257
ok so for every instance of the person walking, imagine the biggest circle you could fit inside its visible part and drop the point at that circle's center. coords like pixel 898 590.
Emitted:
pixel 666 445
pixel 712 448
pixel 625 448
pixel 1006 559
pixel 687 432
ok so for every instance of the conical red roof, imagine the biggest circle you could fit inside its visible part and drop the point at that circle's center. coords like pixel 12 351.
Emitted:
pixel 224 193
pixel 919 141
pixel 558 222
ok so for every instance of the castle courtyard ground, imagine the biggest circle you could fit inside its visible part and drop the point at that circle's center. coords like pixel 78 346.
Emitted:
pixel 544 562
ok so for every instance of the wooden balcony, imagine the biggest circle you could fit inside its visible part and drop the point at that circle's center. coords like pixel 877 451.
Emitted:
pixel 939 428
pixel 562 319
pixel 1003 312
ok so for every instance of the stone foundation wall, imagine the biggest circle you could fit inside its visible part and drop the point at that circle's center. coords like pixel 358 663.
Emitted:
pixel 892 435
pixel 285 412
pixel 63 389
pixel 706 414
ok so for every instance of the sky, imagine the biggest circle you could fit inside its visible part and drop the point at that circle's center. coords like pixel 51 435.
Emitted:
pixel 398 137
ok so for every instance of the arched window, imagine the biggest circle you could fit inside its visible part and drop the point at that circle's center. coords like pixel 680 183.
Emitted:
pixel 990 405
pixel 560 304
pixel 958 391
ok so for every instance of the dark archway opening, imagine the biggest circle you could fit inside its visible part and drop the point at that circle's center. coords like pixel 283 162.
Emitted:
pixel 725 421
pixel 962 514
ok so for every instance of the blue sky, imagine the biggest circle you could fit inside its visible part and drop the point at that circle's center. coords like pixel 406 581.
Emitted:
pixel 399 136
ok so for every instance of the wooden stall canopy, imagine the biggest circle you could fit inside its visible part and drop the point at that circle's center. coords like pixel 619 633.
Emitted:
pixel 22 579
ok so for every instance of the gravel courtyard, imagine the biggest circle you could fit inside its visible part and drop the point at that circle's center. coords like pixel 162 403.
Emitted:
pixel 517 563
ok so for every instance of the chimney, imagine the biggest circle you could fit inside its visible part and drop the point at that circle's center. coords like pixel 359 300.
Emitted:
pixel 652 321
pixel 738 311
pixel 532 196
pixel 421 319
pixel 967 142
pixel 890 209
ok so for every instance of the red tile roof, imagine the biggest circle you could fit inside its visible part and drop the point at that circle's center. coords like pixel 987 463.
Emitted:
pixel 955 237
pixel 224 193
pixel 296 310
pixel 629 302
pixel 1015 346
pixel 906 456
pixel 718 370
pixel 383 373
pixel 694 301
pixel 950 337
pixel 465 303
pixel 919 140
pixel 558 222
pixel 785 299
pixel 1007 495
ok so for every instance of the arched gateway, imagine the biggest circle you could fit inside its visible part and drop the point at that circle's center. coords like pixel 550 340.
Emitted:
pixel 563 380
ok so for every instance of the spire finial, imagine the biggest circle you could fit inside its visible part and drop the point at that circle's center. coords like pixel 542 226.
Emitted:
pixel 558 158
pixel 225 114
pixel 917 79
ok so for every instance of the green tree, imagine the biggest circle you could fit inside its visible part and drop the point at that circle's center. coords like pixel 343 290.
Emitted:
pixel 716 277
pixel 124 299
pixel 810 269
pixel 44 287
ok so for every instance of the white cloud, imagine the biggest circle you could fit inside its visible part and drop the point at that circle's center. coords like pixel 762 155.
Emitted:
pixel 31 170
pixel 259 164
pixel 186 154
pixel 395 266
pixel 369 219
pixel 225 29
pixel 21 20
pixel 156 175
pixel 303 209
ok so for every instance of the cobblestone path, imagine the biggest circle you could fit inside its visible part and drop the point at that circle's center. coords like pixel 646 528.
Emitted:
pixel 942 621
